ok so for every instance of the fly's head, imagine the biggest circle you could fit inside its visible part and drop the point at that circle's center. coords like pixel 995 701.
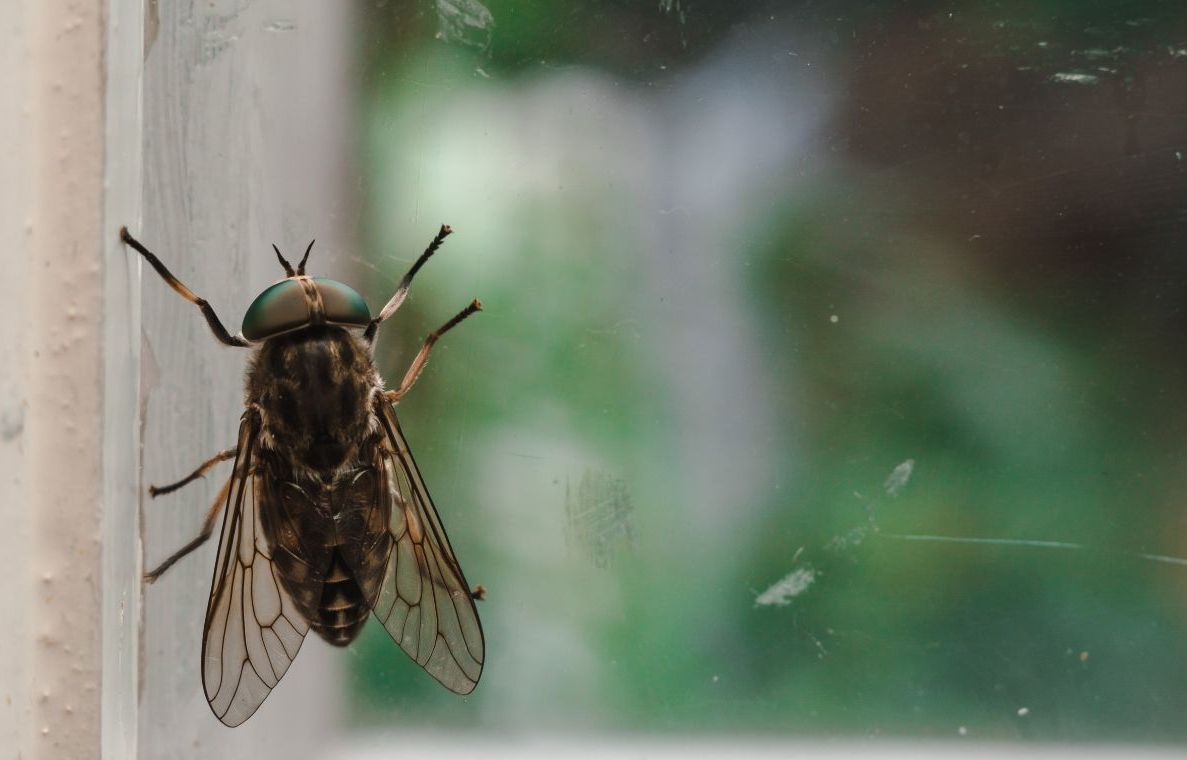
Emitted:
pixel 299 301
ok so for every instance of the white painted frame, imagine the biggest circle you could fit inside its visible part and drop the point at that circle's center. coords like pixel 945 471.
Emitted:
pixel 67 442
pixel 211 129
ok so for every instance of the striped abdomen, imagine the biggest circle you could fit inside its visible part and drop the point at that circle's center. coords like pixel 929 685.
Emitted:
pixel 330 545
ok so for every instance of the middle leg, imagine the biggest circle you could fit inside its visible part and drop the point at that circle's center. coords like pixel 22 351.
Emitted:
pixel 422 357
pixel 222 456
pixel 207 529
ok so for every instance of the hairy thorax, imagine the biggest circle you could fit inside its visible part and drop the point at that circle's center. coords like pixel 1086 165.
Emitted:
pixel 314 389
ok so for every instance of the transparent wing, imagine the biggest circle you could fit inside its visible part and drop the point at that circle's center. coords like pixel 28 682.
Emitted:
pixel 425 602
pixel 253 630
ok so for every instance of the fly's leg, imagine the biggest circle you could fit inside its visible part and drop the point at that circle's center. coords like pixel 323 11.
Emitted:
pixel 222 456
pixel 207 529
pixel 402 291
pixel 422 358
pixel 212 319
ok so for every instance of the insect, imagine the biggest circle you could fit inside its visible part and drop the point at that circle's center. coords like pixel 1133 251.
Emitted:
pixel 326 517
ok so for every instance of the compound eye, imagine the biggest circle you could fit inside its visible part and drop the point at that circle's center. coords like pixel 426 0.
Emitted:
pixel 278 309
pixel 343 304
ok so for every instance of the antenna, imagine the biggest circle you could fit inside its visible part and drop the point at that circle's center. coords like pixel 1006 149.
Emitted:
pixel 288 268
pixel 301 266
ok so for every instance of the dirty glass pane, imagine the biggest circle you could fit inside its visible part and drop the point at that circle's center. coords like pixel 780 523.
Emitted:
pixel 829 380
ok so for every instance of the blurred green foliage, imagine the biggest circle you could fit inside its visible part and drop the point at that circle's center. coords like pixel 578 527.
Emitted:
pixel 974 261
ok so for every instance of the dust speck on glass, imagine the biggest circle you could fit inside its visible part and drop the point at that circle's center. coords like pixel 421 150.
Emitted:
pixel 830 379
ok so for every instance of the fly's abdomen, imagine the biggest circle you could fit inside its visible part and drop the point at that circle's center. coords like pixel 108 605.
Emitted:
pixel 330 546
pixel 307 560
pixel 342 609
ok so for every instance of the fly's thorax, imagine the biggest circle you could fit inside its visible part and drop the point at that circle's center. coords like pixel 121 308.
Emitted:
pixel 313 388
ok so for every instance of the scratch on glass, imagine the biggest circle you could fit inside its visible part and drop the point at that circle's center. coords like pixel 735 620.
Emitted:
pixel 1035 544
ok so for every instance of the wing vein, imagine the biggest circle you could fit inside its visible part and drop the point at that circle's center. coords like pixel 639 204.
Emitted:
pixel 230 646
pixel 446 639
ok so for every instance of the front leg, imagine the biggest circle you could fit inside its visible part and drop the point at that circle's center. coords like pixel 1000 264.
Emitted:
pixel 216 326
pixel 402 291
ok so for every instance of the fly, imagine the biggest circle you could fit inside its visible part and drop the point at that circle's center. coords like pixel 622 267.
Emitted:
pixel 326 519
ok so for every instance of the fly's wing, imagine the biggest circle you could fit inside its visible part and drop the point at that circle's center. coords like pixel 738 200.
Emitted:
pixel 425 602
pixel 253 630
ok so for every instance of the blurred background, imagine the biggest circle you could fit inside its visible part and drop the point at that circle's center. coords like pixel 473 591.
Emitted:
pixel 829 379
pixel 828 382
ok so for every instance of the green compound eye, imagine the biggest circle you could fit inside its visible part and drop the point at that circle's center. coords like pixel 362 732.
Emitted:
pixel 282 308
pixel 344 305
pixel 278 309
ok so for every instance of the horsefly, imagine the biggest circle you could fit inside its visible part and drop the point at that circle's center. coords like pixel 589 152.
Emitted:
pixel 327 520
